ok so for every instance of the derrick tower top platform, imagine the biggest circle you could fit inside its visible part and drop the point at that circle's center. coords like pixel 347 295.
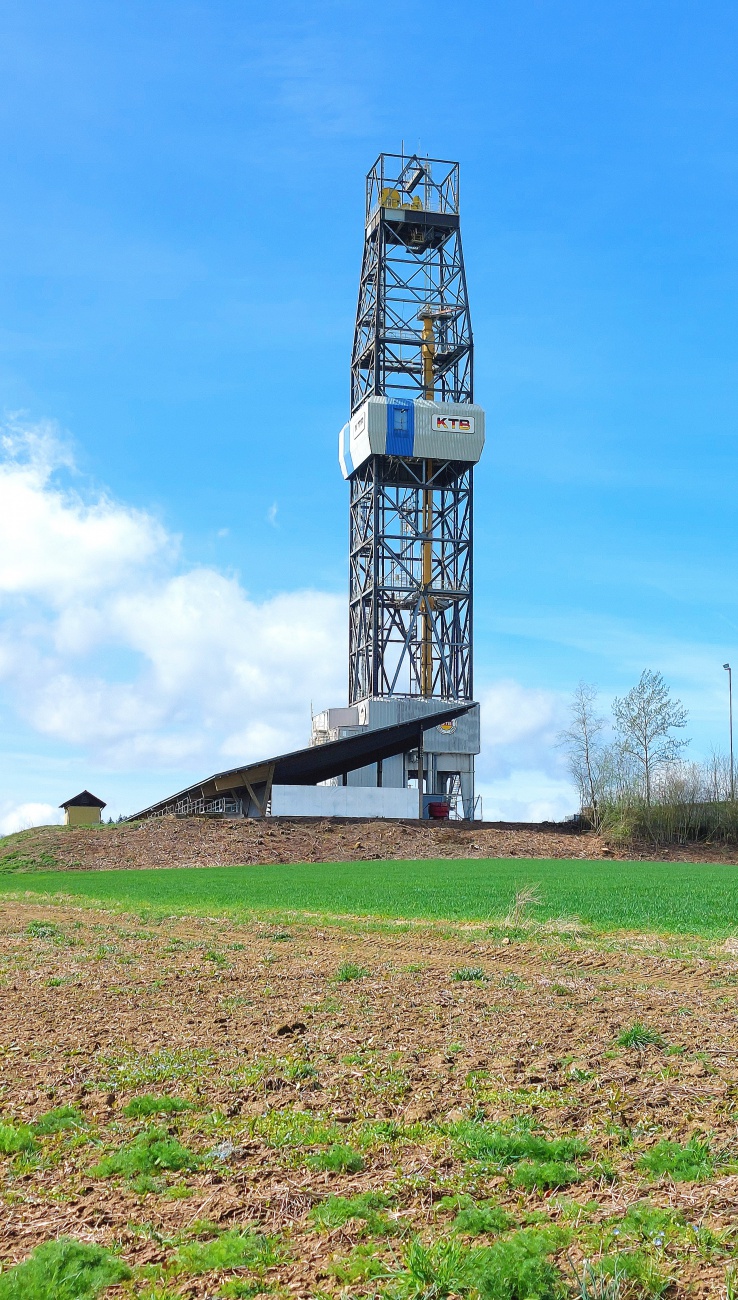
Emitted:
pixel 413 336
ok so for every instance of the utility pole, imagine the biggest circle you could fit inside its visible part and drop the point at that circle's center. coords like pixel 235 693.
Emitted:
pixel 730 699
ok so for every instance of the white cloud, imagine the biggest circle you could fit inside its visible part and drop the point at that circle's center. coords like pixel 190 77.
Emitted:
pixel 519 729
pixel 528 795
pixel 25 815
pixel 110 646
pixel 106 646
pixel 53 544
pixel 521 773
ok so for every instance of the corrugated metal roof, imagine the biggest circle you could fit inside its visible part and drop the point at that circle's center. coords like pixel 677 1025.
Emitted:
pixel 312 765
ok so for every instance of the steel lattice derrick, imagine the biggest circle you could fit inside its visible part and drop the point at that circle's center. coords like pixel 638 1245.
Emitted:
pixel 411 587
pixel 412 262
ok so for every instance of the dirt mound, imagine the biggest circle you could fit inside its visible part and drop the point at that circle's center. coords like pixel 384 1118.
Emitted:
pixel 193 842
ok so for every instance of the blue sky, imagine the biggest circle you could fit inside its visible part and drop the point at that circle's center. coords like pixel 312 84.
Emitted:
pixel 180 241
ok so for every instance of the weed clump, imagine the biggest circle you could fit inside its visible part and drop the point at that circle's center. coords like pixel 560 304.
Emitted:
pixel 43 930
pixel 348 970
pixel 691 1163
pixel 468 974
pixel 338 1160
pixel 150 1152
pixel 136 1069
pixel 492 1145
pixel 232 1249
pixel 515 1268
pixel 63 1270
pixel 476 1218
pixel 55 1121
pixel 362 1265
pixel 631 1273
pixel 542 1175
pixel 147 1104
pixel 15 1138
pixel 339 1210
pixel 640 1036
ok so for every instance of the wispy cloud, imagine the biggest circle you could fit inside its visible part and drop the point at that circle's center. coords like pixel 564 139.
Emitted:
pixel 109 646
pixel 24 815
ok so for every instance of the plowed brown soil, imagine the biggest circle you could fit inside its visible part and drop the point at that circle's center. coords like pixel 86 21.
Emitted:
pixel 194 842
pixel 257 1031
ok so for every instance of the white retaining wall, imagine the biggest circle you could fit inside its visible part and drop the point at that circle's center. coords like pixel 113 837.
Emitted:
pixel 343 801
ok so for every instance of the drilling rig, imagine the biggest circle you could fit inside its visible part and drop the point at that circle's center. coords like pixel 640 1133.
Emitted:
pixel 408 452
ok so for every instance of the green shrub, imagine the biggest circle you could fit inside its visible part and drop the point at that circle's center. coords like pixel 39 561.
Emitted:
pixel 54 1121
pixel 338 1160
pixel 348 970
pixel 640 1036
pixel 63 1270
pixel 147 1104
pixel 16 1137
pixel 690 1163
pixel 232 1249
pixel 148 1153
pixel 539 1175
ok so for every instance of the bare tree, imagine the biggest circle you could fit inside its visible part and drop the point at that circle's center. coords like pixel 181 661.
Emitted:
pixel 582 740
pixel 644 719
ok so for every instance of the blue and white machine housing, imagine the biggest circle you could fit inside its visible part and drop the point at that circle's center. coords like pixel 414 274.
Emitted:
pixel 391 426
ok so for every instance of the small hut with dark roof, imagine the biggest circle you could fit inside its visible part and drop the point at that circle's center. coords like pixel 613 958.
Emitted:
pixel 83 810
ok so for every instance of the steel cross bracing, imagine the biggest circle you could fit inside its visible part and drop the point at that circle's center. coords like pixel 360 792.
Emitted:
pixel 411 579
pixel 412 264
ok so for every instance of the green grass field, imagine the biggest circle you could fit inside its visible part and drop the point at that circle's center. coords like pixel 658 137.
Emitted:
pixel 671 897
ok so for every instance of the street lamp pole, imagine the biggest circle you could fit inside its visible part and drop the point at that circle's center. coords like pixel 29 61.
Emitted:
pixel 730 698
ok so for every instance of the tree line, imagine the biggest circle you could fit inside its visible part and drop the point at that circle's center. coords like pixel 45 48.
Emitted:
pixel 631 772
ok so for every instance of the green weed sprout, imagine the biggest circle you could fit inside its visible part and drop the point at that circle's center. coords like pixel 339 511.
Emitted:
pixel 516 1268
pixel 42 930
pixel 15 1138
pixel 498 1147
pixel 63 1270
pixel 640 1036
pixel 232 1249
pixel 148 1153
pixel 338 1210
pixel 338 1160
pixel 469 973
pixel 55 1121
pixel 147 1104
pixel 476 1219
pixel 540 1175
pixel 691 1163
pixel 348 970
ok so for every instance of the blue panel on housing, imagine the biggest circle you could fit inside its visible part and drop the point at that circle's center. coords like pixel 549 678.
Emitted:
pixel 400 427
